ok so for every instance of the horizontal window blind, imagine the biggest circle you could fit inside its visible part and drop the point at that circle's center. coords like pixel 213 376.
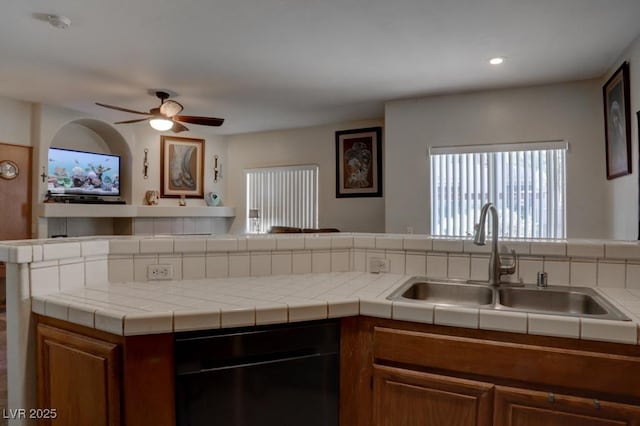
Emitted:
pixel 283 196
pixel 527 185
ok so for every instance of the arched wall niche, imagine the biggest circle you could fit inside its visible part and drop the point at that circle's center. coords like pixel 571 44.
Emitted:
pixel 87 134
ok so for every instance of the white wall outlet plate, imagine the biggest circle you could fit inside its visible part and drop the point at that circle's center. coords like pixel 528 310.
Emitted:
pixel 378 265
pixel 159 272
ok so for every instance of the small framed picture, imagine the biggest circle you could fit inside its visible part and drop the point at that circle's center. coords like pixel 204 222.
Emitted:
pixel 181 167
pixel 359 163
pixel 617 122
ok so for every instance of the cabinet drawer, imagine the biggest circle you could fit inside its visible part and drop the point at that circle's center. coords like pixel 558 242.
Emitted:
pixel 524 407
pixel 546 366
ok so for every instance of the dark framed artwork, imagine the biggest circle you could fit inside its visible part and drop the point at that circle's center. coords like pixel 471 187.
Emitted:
pixel 181 167
pixel 359 162
pixel 617 123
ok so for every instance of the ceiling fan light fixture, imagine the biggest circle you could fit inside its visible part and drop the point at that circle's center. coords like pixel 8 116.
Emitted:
pixel 161 124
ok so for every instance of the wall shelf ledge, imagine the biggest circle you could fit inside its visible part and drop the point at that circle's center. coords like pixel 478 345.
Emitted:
pixel 48 210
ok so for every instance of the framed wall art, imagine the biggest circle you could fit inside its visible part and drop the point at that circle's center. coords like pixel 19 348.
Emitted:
pixel 359 163
pixel 181 167
pixel 617 123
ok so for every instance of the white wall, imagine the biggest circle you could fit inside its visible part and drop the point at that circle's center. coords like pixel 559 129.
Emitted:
pixel 311 145
pixel 81 138
pixel 66 128
pixel 622 193
pixel 60 127
pixel 145 137
pixel 15 122
pixel 571 111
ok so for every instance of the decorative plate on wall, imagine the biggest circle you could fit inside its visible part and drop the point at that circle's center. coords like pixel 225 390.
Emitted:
pixel 8 170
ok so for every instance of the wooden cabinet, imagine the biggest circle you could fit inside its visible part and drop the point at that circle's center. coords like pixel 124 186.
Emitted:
pixel 432 375
pixel 95 378
pixel 410 398
pixel 526 407
pixel 79 377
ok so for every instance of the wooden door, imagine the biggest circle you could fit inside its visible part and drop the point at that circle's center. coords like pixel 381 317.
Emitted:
pixel 79 377
pixel 523 407
pixel 411 398
pixel 15 196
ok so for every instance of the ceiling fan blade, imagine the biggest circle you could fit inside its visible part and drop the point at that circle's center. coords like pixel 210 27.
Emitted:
pixel 137 120
pixel 177 127
pixel 170 108
pixel 122 109
pixel 204 121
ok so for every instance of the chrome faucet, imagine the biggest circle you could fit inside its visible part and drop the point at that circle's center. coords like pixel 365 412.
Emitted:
pixel 496 268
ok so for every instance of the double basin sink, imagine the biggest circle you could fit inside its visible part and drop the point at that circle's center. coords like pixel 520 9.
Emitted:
pixel 568 301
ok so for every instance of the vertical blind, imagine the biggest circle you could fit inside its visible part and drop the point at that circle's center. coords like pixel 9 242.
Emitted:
pixel 526 182
pixel 284 196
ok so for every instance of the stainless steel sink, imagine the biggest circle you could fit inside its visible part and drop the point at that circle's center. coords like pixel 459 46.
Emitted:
pixel 567 301
pixel 571 301
pixel 444 292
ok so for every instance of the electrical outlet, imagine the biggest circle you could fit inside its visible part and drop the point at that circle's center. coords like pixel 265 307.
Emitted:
pixel 378 265
pixel 159 272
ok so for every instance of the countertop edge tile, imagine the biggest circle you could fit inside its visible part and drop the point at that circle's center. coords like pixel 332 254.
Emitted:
pixel 416 312
pixel 148 323
pixel 512 322
pixel 109 321
pixel 240 317
pixel 554 325
pixel 609 331
pixel 193 319
pixel 379 308
pixel 456 316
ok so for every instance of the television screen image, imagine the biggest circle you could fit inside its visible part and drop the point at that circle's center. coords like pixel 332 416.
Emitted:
pixel 83 173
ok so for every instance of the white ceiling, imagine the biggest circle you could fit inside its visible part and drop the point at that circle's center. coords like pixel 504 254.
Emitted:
pixel 270 64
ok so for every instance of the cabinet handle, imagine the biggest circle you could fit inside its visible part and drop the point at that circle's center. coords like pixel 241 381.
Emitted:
pixel 551 397
pixel 596 404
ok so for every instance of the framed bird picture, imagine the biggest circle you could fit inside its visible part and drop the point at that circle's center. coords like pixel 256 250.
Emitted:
pixel 181 167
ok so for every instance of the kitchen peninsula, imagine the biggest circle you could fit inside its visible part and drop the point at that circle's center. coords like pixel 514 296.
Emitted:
pixel 100 292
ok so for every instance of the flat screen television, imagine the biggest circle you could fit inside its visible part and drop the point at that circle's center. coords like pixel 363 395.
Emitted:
pixel 83 173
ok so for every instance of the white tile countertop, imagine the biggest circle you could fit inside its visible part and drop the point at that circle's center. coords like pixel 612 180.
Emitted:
pixel 136 308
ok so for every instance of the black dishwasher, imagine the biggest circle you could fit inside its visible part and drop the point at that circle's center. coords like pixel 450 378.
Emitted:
pixel 280 375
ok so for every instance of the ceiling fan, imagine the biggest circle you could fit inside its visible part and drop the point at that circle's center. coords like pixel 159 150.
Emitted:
pixel 165 117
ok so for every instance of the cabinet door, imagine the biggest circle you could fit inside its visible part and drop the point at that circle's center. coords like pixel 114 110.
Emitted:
pixel 523 407
pixel 79 377
pixel 407 398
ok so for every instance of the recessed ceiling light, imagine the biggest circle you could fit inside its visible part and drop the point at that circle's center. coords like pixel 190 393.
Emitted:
pixel 496 61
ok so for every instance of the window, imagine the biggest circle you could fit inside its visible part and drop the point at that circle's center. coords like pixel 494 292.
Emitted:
pixel 526 182
pixel 283 196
